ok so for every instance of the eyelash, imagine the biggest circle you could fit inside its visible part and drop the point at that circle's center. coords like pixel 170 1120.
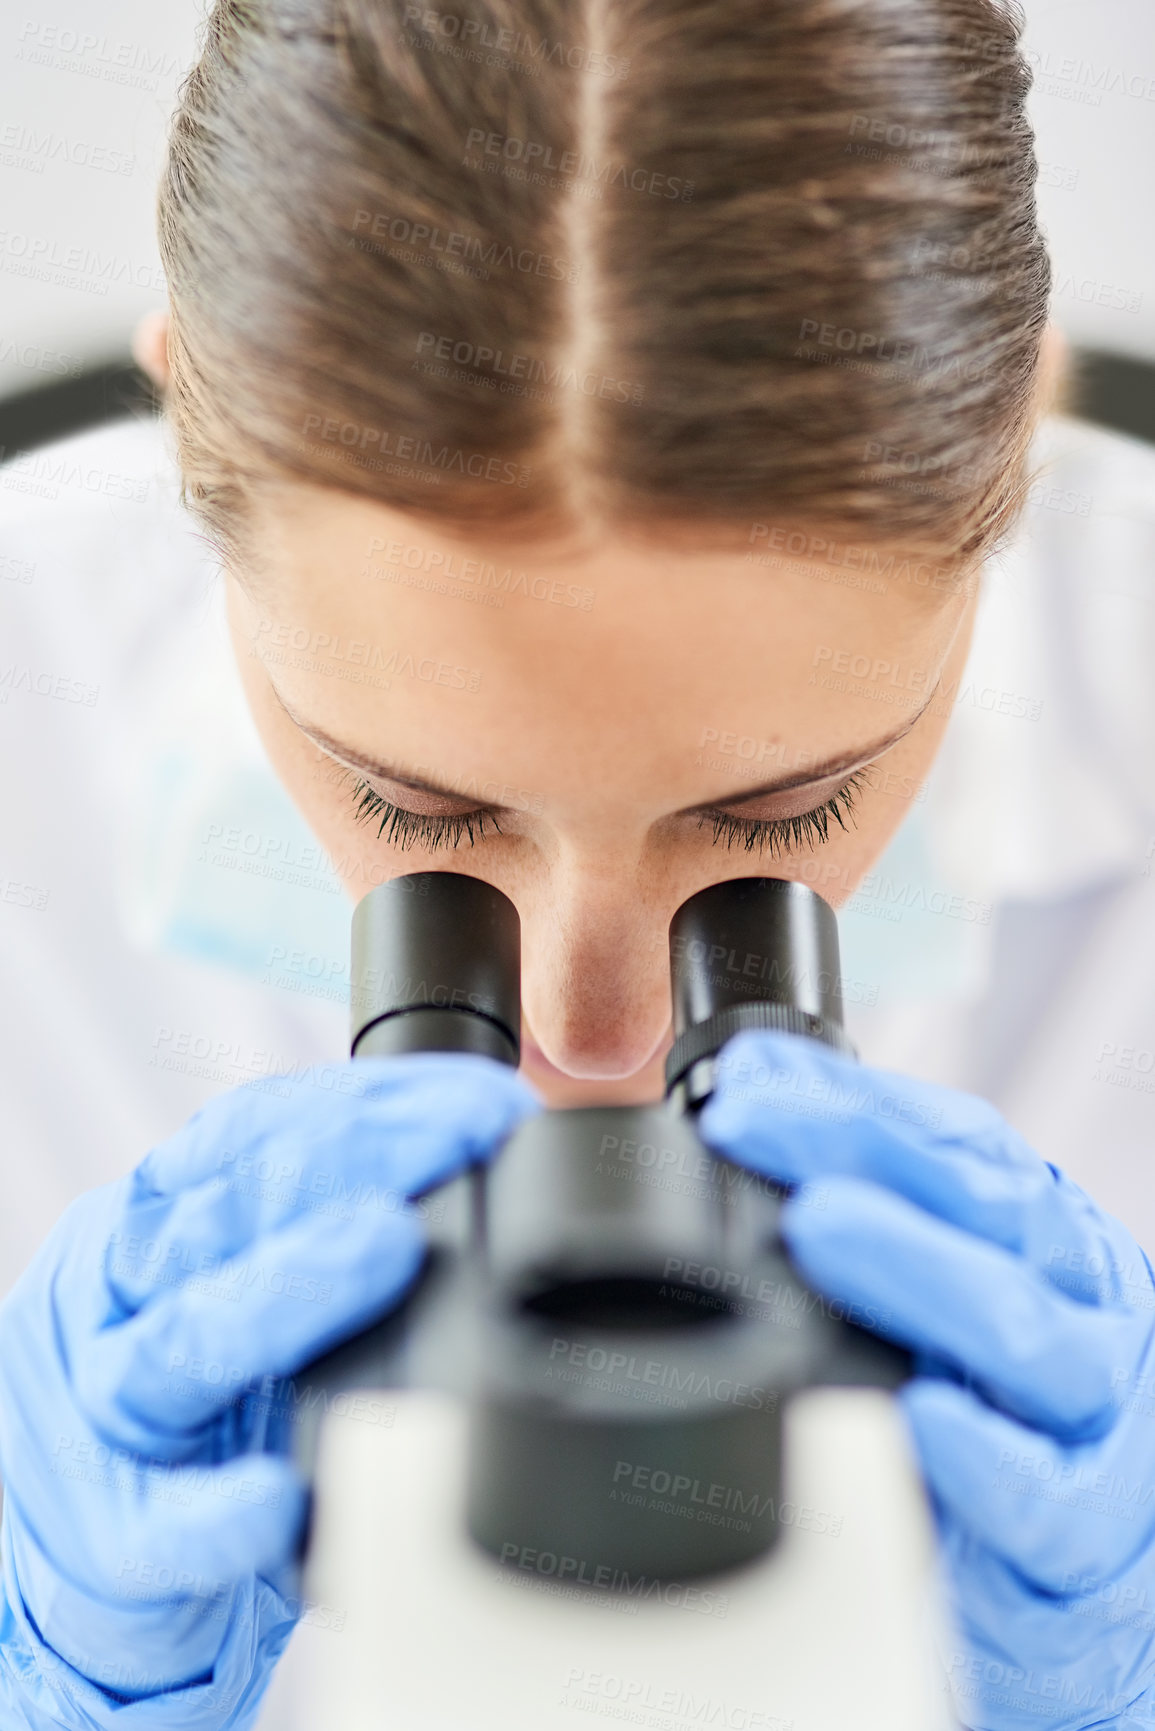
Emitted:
pixel 410 828
pixel 781 835
pixel 785 834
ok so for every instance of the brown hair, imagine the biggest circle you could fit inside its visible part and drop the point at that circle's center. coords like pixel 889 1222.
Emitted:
pixel 677 262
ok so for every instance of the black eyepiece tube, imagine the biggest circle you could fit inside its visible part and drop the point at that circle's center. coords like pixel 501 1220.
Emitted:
pixel 750 953
pixel 436 967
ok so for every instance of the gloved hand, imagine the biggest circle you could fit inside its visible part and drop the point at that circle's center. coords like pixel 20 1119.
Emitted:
pixel 151 1517
pixel 1031 1313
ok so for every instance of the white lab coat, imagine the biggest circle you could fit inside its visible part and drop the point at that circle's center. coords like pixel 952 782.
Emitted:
pixel 1005 944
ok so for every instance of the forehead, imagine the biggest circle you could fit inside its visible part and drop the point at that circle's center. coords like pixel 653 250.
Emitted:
pixel 620 656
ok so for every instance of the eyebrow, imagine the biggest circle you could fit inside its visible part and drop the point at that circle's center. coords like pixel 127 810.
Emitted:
pixel 357 760
pixel 830 767
pixel 844 765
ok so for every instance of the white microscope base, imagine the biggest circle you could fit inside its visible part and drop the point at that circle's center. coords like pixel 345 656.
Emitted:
pixel 417 1630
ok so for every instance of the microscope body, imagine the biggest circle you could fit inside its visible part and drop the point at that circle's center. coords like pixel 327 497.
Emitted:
pixel 606 1343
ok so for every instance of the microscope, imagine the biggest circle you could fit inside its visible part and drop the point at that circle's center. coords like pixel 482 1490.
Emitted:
pixel 610 1455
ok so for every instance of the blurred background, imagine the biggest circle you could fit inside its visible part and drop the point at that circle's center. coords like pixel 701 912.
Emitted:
pixel 84 98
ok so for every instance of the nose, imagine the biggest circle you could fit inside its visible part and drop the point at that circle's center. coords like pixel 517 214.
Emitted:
pixel 595 972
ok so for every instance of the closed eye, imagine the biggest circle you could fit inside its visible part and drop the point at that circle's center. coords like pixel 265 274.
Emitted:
pixel 404 829
pixel 795 834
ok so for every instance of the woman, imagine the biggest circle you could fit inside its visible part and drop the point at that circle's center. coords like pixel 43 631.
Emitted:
pixel 571 397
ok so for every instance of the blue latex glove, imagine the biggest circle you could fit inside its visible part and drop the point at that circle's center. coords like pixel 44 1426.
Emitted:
pixel 151 1516
pixel 1031 1313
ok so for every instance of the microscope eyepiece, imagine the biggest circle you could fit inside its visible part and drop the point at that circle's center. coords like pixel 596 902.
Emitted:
pixel 749 953
pixel 436 967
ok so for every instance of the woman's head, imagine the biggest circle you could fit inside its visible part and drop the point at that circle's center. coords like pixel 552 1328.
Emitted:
pixel 581 397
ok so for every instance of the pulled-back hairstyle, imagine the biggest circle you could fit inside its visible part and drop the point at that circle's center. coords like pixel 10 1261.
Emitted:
pixel 676 263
